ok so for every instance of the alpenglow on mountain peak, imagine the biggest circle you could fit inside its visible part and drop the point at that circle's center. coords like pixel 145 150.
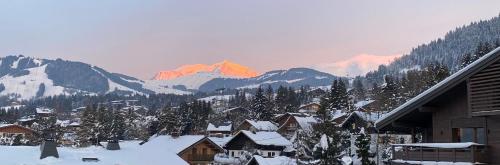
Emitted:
pixel 225 68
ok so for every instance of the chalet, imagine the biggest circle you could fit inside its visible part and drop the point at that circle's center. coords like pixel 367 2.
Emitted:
pixel 294 123
pixel 457 120
pixel 259 160
pixel 359 119
pixel 44 112
pixel 13 130
pixel 223 130
pixel 256 126
pixel 194 149
pixel 310 108
pixel 280 119
pixel 266 144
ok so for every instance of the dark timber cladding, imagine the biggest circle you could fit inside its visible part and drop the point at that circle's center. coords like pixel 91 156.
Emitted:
pixel 464 107
pixel 484 92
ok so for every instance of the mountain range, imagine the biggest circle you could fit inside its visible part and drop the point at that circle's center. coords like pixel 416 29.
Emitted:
pixel 25 78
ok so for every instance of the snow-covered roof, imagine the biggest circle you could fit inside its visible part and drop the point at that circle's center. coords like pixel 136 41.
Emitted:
pixel 363 103
pixel 306 122
pixel 430 162
pixel 280 160
pixel 337 114
pixel 5 125
pixel 438 89
pixel 221 141
pixel 212 127
pixel 441 145
pixel 44 110
pixel 366 116
pixel 231 109
pixel 131 153
pixel 263 125
pixel 266 138
pixel 177 144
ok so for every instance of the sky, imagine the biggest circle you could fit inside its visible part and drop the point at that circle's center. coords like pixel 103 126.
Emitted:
pixel 140 38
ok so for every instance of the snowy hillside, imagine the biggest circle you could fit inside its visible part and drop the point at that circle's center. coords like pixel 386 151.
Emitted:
pixel 449 50
pixel 294 77
pixel 25 78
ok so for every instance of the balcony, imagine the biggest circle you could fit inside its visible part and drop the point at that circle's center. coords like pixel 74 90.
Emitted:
pixel 208 158
pixel 439 152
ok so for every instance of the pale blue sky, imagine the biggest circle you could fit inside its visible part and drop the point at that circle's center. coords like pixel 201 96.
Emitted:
pixel 139 38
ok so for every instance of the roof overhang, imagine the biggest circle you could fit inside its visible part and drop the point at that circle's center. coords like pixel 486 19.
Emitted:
pixel 437 90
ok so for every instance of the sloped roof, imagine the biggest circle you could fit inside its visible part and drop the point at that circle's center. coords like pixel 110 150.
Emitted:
pixel 178 144
pixel 263 125
pixel 265 138
pixel 280 160
pixel 212 127
pixel 440 88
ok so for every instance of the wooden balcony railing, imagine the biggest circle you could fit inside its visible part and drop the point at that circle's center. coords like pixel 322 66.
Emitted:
pixel 201 157
pixel 440 152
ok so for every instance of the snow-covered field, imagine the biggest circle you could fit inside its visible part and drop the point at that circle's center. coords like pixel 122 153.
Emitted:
pixel 131 153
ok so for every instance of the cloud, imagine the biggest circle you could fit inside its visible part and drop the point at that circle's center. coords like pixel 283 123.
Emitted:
pixel 357 65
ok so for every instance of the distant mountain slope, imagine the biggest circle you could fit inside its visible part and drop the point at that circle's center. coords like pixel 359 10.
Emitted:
pixel 448 50
pixel 222 69
pixel 27 77
pixel 294 77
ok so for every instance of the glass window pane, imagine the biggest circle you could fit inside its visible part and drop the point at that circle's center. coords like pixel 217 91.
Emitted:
pixel 481 136
pixel 467 135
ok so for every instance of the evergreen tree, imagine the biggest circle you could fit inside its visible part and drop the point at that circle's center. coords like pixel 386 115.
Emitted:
pixel 324 111
pixel 88 127
pixel 363 145
pixel 260 107
pixel 329 150
pixel 280 102
pixel 358 89
pixel 292 102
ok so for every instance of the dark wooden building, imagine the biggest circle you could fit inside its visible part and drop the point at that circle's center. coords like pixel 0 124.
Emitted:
pixel 457 120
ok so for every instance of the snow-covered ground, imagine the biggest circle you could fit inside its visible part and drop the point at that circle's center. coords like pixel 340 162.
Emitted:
pixel 131 153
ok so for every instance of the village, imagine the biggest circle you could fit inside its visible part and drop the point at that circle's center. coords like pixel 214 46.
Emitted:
pixel 247 142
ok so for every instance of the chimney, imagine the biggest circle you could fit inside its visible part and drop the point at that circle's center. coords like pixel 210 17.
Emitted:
pixel 113 145
pixel 48 148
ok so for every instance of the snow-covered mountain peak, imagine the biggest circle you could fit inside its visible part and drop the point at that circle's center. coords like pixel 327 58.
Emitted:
pixel 224 69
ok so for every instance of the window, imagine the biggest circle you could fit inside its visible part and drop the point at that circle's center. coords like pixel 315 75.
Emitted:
pixel 232 153
pixel 268 154
pixel 476 135
pixel 273 154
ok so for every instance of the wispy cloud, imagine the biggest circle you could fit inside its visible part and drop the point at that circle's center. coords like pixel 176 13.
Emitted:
pixel 357 65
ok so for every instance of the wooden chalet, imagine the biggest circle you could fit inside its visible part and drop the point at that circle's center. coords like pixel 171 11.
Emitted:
pixel 294 123
pixel 457 120
pixel 221 130
pixel 266 144
pixel 251 125
pixel 194 149
pixel 359 119
pixel 12 130
pixel 310 108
